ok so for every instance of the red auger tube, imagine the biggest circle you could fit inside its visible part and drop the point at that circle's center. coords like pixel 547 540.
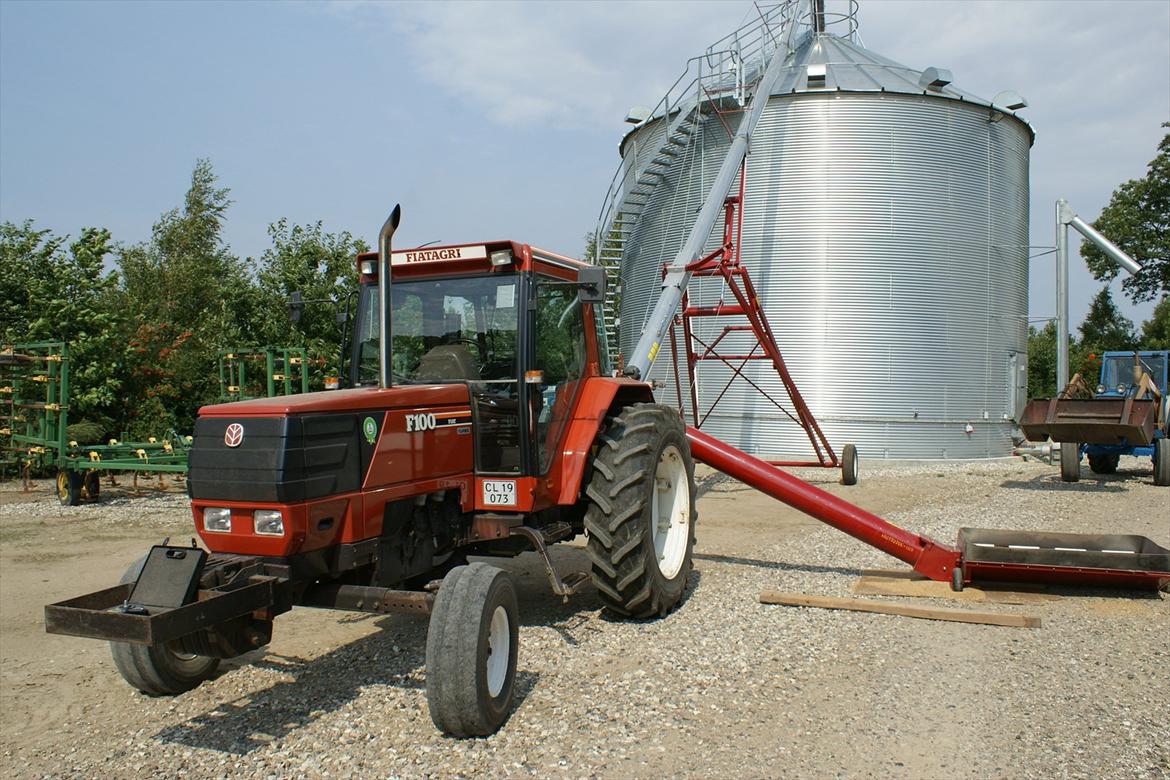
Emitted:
pixel 927 556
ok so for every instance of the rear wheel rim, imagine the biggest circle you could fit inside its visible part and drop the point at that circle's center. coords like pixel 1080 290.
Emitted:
pixel 62 486
pixel 499 651
pixel 670 512
pixel 181 655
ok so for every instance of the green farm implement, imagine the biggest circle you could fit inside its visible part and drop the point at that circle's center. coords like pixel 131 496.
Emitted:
pixel 34 416
pixel 34 422
pixel 262 372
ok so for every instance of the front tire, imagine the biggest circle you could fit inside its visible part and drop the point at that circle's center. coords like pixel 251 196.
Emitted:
pixel 1105 463
pixel 1070 461
pixel 472 642
pixel 641 514
pixel 1162 461
pixel 159 670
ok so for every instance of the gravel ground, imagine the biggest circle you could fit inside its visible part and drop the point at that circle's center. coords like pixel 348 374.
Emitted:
pixel 723 687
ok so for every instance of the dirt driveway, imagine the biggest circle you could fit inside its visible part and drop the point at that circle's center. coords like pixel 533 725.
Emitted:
pixel 723 687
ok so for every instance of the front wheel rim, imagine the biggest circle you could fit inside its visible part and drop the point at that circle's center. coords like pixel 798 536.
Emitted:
pixel 670 512
pixel 499 651
pixel 62 486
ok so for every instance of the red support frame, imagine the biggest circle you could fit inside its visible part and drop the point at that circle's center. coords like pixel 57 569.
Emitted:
pixel 725 263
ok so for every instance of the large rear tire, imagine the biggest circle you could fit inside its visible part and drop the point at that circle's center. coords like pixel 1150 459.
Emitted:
pixel 471 651
pixel 159 670
pixel 1162 461
pixel 641 514
pixel 1105 463
pixel 1070 461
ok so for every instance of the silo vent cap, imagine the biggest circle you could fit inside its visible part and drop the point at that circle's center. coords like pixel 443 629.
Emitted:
pixel 935 78
pixel 1010 99
pixel 817 74
pixel 637 115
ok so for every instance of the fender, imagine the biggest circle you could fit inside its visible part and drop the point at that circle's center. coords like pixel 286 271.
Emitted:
pixel 599 395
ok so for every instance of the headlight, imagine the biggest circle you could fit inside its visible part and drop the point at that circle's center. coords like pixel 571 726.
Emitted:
pixel 268 522
pixel 1100 389
pixel 217 519
pixel 1121 389
pixel 369 267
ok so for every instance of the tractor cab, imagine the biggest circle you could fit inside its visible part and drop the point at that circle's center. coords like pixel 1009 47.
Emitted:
pixel 519 326
pixel 1122 374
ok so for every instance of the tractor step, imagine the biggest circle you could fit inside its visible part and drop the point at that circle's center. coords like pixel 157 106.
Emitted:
pixel 562 586
pixel 555 532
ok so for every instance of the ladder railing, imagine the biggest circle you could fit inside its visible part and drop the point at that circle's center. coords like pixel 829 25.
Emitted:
pixel 716 78
pixel 678 271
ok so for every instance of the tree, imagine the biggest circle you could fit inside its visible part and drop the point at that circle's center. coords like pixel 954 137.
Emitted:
pixel 1137 219
pixel 320 266
pixel 48 294
pixel 1156 330
pixel 187 294
pixel 1104 329
pixel 1042 361
pixel 28 258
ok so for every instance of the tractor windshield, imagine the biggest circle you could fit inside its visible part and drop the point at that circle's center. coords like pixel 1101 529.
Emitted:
pixel 1117 371
pixel 442 330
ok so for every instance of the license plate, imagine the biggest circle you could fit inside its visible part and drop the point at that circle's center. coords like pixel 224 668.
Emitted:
pixel 499 492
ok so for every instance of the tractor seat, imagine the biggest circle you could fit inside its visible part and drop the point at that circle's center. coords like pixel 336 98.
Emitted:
pixel 447 362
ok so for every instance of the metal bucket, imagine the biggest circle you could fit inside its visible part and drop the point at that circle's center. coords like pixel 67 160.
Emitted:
pixel 1124 421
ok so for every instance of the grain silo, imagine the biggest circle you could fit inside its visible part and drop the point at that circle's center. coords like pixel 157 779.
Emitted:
pixel 886 229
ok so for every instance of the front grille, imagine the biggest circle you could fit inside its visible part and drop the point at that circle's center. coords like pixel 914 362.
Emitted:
pixel 280 459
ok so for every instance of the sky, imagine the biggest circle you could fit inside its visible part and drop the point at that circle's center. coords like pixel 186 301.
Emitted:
pixel 496 120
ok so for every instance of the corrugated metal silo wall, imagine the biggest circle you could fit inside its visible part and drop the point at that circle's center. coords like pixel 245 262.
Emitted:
pixel 887 235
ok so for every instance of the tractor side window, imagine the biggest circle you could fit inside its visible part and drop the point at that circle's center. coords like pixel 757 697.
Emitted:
pixel 560 355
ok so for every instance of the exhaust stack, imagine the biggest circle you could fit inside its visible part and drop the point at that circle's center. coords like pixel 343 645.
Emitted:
pixel 384 237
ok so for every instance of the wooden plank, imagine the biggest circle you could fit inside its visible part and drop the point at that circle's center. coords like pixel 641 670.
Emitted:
pixel 883 585
pixel 902 574
pixel 905 610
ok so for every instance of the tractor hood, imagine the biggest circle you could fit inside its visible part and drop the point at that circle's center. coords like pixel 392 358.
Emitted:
pixel 353 400
pixel 303 447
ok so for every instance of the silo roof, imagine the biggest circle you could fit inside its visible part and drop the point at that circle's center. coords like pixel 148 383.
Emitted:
pixel 849 67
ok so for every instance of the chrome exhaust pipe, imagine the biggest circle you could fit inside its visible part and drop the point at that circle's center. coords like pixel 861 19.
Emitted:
pixel 384 237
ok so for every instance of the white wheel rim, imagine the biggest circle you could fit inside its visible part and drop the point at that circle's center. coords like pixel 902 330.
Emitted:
pixel 670 512
pixel 499 650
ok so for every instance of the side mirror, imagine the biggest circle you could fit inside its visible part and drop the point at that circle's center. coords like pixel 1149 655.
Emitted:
pixel 591 284
pixel 295 307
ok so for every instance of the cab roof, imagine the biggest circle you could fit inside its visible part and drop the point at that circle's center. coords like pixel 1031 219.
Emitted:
pixel 446 259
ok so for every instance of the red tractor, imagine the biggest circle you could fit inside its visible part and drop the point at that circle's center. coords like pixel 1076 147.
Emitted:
pixel 483 419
